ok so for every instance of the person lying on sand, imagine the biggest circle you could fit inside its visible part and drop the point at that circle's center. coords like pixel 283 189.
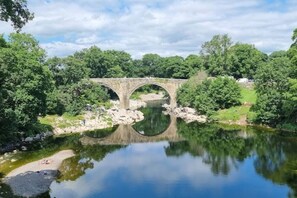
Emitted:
pixel 46 161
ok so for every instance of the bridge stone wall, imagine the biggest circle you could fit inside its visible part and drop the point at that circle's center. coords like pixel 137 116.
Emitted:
pixel 124 87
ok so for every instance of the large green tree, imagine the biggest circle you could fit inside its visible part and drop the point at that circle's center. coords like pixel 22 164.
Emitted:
pixel 151 64
pixel 271 82
pixel 244 60
pixel 25 82
pixel 16 11
pixel 215 54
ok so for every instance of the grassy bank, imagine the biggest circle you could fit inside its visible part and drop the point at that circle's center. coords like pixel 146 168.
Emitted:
pixel 242 115
pixel 238 114
pixel 64 121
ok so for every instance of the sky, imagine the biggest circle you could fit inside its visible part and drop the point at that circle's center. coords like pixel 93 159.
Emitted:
pixel 165 27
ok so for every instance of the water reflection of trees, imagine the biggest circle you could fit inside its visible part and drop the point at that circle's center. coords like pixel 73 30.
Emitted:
pixel 275 156
pixel 277 160
pixel 220 149
pixel 154 123
pixel 75 167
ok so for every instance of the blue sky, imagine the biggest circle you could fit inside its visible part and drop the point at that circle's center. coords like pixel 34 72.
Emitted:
pixel 166 27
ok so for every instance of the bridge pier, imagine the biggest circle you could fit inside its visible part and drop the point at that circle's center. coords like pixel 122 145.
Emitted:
pixel 124 101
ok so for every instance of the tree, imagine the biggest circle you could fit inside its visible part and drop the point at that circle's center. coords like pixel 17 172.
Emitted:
pixel 67 70
pixel 94 60
pixel 225 92
pixel 290 106
pixel 56 67
pixel 215 55
pixel 25 83
pixel 115 72
pixel 192 64
pixel 292 53
pixel 16 11
pixel 151 64
pixel 244 60
pixel 271 82
pixel 211 95
pixel 121 59
pixel 294 37
pixel 75 97
pixel 171 67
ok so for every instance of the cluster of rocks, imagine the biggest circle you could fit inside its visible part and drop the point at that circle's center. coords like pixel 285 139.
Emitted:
pixel 91 121
pixel 105 118
pixel 23 142
pixel 38 137
pixel 122 116
pixel 186 113
pixel 133 104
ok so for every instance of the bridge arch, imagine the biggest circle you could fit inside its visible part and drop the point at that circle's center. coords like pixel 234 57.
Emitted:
pixel 111 88
pixel 151 83
pixel 124 87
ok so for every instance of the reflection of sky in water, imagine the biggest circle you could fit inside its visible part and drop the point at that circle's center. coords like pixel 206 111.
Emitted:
pixel 143 170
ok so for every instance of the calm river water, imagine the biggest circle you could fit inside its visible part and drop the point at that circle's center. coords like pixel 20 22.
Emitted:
pixel 165 157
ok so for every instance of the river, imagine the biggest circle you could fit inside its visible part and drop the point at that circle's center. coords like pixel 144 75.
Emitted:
pixel 162 156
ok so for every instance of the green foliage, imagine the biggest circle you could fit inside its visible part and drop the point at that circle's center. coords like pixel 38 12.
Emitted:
pixel 154 123
pixel 225 92
pixel 294 37
pixel 215 55
pixel 186 94
pixel 110 63
pixel 271 84
pixel 236 113
pixel 244 60
pixel 63 121
pixel 15 11
pixel 115 72
pixel 211 95
pixel 74 98
pixel 249 95
pixel 24 82
pixel 151 64
pixel 67 70
pixel 171 67
pixel 231 114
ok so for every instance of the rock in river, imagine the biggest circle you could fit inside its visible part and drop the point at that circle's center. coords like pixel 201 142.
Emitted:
pixel 31 184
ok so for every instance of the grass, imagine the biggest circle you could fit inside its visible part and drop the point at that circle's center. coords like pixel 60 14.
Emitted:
pixel 64 121
pixel 235 113
pixel 248 95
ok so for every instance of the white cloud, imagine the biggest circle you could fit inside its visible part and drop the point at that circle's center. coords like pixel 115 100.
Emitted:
pixel 176 27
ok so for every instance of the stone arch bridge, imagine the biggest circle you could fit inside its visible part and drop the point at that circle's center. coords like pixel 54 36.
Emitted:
pixel 124 87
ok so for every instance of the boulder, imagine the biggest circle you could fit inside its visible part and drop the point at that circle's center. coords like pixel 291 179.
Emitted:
pixel 29 139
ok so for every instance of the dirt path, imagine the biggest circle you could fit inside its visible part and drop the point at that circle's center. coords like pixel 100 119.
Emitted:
pixel 50 163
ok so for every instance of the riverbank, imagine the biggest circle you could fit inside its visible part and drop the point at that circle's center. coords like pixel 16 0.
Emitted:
pixel 49 163
pixel 35 178
pixel 96 119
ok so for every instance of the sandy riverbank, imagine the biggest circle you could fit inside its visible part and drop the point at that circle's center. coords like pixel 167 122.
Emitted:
pixel 49 163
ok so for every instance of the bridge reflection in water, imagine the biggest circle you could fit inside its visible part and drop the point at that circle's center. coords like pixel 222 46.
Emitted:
pixel 126 134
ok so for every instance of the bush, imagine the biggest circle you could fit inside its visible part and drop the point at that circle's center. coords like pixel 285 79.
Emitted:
pixel 74 98
pixel 211 95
